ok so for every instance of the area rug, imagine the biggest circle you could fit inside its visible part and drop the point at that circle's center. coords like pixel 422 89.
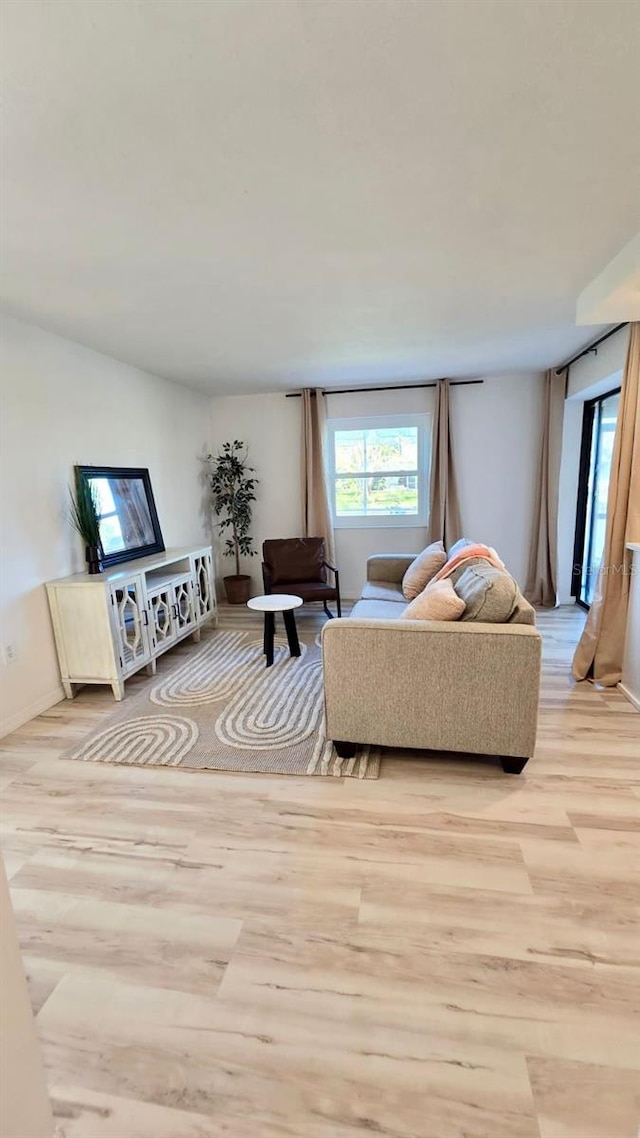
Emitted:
pixel 221 708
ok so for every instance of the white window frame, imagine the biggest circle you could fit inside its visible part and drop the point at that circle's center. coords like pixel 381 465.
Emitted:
pixel 371 422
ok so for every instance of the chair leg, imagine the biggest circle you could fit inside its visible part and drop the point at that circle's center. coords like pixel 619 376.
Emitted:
pixel 512 764
pixel 328 611
pixel 345 750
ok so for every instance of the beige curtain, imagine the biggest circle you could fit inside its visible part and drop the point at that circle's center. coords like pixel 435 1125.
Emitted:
pixel 600 651
pixel 316 515
pixel 541 587
pixel 444 511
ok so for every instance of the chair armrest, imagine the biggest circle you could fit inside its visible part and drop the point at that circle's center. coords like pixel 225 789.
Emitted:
pixel 389 566
pixel 328 565
pixel 266 578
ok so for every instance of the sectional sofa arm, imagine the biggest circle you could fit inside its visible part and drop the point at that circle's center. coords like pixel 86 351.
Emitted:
pixel 451 686
pixel 389 566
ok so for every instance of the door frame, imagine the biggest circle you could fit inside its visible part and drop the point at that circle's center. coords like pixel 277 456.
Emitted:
pixel 591 407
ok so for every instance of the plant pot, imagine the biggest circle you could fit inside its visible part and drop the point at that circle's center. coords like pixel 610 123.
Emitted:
pixel 237 588
pixel 92 555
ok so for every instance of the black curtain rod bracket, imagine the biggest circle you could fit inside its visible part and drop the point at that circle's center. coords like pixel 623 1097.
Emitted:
pixel 591 348
pixel 390 387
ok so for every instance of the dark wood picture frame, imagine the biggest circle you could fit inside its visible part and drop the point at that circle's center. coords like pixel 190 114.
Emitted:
pixel 134 473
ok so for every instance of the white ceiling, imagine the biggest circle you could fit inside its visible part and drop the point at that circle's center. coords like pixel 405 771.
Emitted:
pixel 249 196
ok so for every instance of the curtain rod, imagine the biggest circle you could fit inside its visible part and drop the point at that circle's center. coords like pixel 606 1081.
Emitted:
pixel 591 348
pixel 391 387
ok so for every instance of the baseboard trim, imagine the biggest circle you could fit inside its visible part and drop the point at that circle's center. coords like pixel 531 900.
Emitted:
pixel 7 726
pixel 629 695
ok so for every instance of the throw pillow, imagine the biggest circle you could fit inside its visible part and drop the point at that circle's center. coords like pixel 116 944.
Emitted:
pixel 437 602
pixel 458 546
pixel 422 569
pixel 489 594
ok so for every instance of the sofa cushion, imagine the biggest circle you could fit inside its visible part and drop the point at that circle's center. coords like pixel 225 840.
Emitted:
pixel 378 610
pixel 488 593
pixel 523 612
pixel 456 573
pixel 383 591
pixel 422 569
pixel 439 601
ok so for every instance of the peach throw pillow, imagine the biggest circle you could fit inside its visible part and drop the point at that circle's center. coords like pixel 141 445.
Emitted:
pixel 439 601
pixel 422 569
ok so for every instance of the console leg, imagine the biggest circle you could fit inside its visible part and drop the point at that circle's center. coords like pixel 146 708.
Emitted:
pixel 117 687
pixel 196 636
pixel 152 667
pixel 512 764
pixel 68 689
pixel 345 750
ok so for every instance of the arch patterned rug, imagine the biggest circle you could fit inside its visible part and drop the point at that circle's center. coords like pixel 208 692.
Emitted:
pixel 221 708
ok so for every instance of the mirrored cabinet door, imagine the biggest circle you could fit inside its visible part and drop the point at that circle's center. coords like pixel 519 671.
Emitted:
pixel 182 605
pixel 131 623
pixel 204 600
pixel 163 627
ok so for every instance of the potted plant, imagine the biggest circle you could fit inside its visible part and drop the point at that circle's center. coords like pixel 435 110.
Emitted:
pixel 233 492
pixel 84 516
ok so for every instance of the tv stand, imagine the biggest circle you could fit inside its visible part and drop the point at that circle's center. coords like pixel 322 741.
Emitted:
pixel 110 625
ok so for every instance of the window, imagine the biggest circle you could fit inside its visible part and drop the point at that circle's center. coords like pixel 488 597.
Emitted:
pixel 378 470
pixel 598 431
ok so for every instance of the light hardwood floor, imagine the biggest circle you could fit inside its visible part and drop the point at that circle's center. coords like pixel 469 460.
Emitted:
pixel 448 952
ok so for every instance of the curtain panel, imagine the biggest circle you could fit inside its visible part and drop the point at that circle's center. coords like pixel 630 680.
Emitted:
pixel 542 585
pixel 444 510
pixel 600 652
pixel 316 514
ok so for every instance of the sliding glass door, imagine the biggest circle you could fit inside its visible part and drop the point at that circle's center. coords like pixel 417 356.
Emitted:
pixel 598 431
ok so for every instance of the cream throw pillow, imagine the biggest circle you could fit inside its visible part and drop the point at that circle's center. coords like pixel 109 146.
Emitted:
pixel 439 601
pixel 422 569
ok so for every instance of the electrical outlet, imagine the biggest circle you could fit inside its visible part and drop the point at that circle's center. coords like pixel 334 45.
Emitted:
pixel 10 653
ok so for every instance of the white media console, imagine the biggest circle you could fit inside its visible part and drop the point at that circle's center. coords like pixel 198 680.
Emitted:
pixel 109 625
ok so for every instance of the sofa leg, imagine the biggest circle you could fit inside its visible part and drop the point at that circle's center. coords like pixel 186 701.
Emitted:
pixel 512 764
pixel 345 750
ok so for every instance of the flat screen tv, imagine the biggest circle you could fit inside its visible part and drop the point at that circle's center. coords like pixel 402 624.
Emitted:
pixel 129 526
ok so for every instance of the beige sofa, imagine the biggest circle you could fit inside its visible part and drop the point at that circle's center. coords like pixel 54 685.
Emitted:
pixel 439 685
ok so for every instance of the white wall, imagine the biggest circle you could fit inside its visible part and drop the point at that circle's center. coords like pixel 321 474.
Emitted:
pixel 270 427
pixel 64 404
pixel 496 436
pixel 593 375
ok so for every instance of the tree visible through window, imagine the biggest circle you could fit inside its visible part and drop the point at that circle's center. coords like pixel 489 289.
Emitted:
pixel 377 469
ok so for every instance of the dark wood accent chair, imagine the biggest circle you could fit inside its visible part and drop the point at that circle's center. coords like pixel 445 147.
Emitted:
pixel 298 565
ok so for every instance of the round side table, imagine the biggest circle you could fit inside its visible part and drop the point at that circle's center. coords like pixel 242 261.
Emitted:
pixel 270 605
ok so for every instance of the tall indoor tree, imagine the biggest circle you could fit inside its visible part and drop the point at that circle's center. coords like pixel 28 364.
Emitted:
pixel 232 487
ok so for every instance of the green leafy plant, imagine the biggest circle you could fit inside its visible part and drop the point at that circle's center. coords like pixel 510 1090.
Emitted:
pixel 84 510
pixel 233 493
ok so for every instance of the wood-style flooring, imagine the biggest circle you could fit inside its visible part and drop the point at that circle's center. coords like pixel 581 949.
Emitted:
pixel 447 952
